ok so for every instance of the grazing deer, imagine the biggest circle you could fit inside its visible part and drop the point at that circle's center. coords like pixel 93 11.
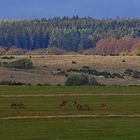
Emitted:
pixel 62 105
pixel 104 106
pixel 18 105
pixel 74 103
pixel 80 107
pixel 86 107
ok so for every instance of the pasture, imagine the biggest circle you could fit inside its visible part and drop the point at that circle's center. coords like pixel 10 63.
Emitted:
pixel 71 129
pixel 39 90
pixel 43 106
pixel 43 118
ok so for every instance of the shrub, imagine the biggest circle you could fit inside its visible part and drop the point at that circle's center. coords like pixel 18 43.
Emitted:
pixel 88 70
pixel 93 81
pixel 117 75
pixel 73 62
pixel 123 61
pixel 58 69
pixel 77 80
pixel 11 83
pixel 5 63
pixel 73 70
pixel 11 76
pixel 128 72
pixel 21 64
pixel 61 72
pixel 136 74
pixel 8 57
pixel 103 73
pixel 86 67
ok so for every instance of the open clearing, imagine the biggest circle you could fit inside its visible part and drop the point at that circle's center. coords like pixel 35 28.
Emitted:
pixel 46 68
pixel 43 119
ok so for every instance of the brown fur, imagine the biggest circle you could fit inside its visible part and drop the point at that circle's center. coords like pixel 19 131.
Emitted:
pixel 18 105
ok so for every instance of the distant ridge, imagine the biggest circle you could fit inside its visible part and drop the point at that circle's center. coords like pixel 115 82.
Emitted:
pixel 104 36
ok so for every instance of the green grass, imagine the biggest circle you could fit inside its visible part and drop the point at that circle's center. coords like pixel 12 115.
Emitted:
pixel 67 89
pixel 122 105
pixel 118 104
pixel 71 129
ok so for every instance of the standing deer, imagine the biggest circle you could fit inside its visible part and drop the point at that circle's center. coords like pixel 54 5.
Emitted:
pixel 62 105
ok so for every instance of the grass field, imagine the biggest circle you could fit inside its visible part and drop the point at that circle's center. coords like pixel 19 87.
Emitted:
pixel 71 129
pixel 42 106
pixel 44 101
pixel 29 90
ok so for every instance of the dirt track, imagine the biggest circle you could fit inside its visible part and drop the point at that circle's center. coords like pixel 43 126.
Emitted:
pixel 69 95
pixel 69 116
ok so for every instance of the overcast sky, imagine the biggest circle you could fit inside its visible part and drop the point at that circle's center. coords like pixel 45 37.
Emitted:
pixel 29 9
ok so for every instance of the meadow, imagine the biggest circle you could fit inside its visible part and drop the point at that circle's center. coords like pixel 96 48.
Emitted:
pixel 43 106
pixel 29 90
pixel 71 129
pixel 45 100
pixel 43 119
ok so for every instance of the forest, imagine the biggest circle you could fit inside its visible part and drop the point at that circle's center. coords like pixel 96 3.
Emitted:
pixel 103 36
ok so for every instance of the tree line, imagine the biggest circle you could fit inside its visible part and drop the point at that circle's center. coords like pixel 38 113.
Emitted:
pixel 70 34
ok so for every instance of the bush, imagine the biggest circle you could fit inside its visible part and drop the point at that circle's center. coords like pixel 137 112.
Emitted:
pixel 73 62
pixel 77 80
pixel 5 63
pixel 93 81
pixel 88 70
pixel 136 74
pixel 128 72
pixel 86 67
pixel 123 60
pixel 8 57
pixel 114 75
pixel 21 64
pixel 73 70
pixel 11 83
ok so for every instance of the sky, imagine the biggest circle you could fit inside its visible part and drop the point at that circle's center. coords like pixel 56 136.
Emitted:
pixel 30 9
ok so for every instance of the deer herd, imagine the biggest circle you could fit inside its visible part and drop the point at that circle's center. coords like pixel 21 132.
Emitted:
pixel 82 107
pixel 63 104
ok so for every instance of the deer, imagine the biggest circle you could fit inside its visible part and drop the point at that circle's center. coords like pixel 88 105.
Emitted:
pixel 18 105
pixel 63 104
